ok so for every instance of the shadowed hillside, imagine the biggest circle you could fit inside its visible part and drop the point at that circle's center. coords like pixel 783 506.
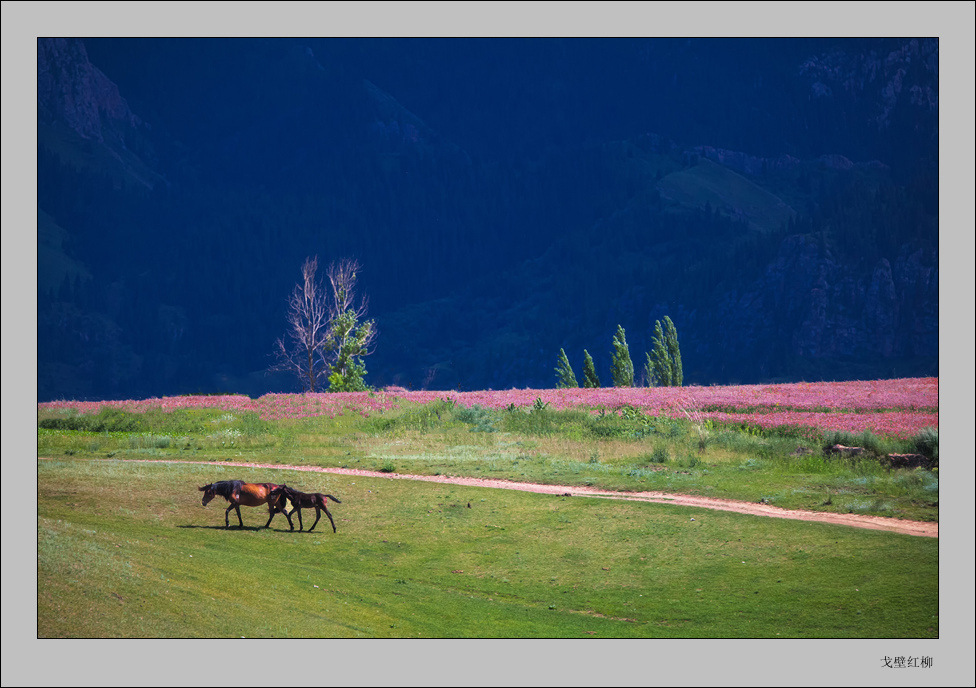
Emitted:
pixel 777 199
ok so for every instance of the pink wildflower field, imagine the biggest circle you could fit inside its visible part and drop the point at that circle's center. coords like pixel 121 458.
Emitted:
pixel 898 408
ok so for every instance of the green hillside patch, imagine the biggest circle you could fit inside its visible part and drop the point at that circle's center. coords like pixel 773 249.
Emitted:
pixel 709 184
pixel 127 550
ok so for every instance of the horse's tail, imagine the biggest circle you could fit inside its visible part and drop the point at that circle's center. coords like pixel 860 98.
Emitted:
pixel 333 499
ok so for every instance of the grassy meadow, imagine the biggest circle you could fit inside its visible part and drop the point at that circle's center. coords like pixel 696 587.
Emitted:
pixel 125 549
pixel 621 450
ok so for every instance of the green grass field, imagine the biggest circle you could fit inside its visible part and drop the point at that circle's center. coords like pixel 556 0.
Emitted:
pixel 568 447
pixel 127 550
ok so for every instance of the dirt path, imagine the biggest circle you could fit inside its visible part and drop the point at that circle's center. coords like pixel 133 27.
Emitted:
pixel 895 525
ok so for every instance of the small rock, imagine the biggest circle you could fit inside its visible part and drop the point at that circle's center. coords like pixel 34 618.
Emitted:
pixel 909 461
pixel 844 451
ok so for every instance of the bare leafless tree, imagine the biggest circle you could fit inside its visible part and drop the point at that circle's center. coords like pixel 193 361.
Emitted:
pixel 325 340
pixel 342 278
pixel 301 350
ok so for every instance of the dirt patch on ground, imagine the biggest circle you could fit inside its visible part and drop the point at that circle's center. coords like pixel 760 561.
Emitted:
pixel 895 525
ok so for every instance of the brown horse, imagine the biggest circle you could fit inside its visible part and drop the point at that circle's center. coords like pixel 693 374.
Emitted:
pixel 301 500
pixel 238 492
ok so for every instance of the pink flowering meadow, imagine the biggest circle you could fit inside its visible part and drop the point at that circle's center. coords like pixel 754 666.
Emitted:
pixel 268 407
pixel 899 408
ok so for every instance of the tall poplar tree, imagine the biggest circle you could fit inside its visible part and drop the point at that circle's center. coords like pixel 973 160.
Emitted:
pixel 663 367
pixel 621 367
pixel 564 372
pixel 674 353
pixel 658 362
pixel 589 371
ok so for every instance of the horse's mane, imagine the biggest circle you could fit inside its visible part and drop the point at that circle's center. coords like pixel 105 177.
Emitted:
pixel 225 488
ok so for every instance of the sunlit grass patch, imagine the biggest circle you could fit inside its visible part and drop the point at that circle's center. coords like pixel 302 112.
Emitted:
pixel 538 437
pixel 126 550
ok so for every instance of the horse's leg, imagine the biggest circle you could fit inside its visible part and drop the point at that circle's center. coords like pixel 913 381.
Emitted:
pixel 237 507
pixel 288 515
pixel 272 510
pixel 318 515
pixel 227 516
pixel 301 526
pixel 330 519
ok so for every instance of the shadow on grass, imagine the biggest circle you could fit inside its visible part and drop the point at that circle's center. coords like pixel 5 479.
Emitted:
pixel 249 528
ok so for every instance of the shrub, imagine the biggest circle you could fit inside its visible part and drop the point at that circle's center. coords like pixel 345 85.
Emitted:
pixel 867 440
pixel 927 443
pixel 251 424
pixel 150 441
pixel 478 417
pixel 106 420
pixel 421 418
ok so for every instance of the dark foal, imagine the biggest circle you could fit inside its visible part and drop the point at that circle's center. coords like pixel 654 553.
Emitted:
pixel 302 500
pixel 238 492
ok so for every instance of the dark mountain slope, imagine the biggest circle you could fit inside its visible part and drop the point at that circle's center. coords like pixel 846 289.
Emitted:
pixel 505 199
pixel 848 294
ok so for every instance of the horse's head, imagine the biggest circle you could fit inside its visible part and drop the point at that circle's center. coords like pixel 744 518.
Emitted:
pixel 208 493
pixel 278 496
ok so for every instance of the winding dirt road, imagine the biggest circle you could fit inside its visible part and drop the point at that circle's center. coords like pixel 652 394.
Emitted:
pixel 895 525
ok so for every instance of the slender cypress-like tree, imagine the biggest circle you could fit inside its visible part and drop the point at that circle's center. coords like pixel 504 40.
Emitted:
pixel 649 375
pixel 589 371
pixel 663 365
pixel 621 367
pixel 658 358
pixel 564 372
pixel 674 353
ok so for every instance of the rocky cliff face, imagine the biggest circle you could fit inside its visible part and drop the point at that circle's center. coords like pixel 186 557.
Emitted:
pixel 71 90
pixel 902 74
pixel 82 117
pixel 828 310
